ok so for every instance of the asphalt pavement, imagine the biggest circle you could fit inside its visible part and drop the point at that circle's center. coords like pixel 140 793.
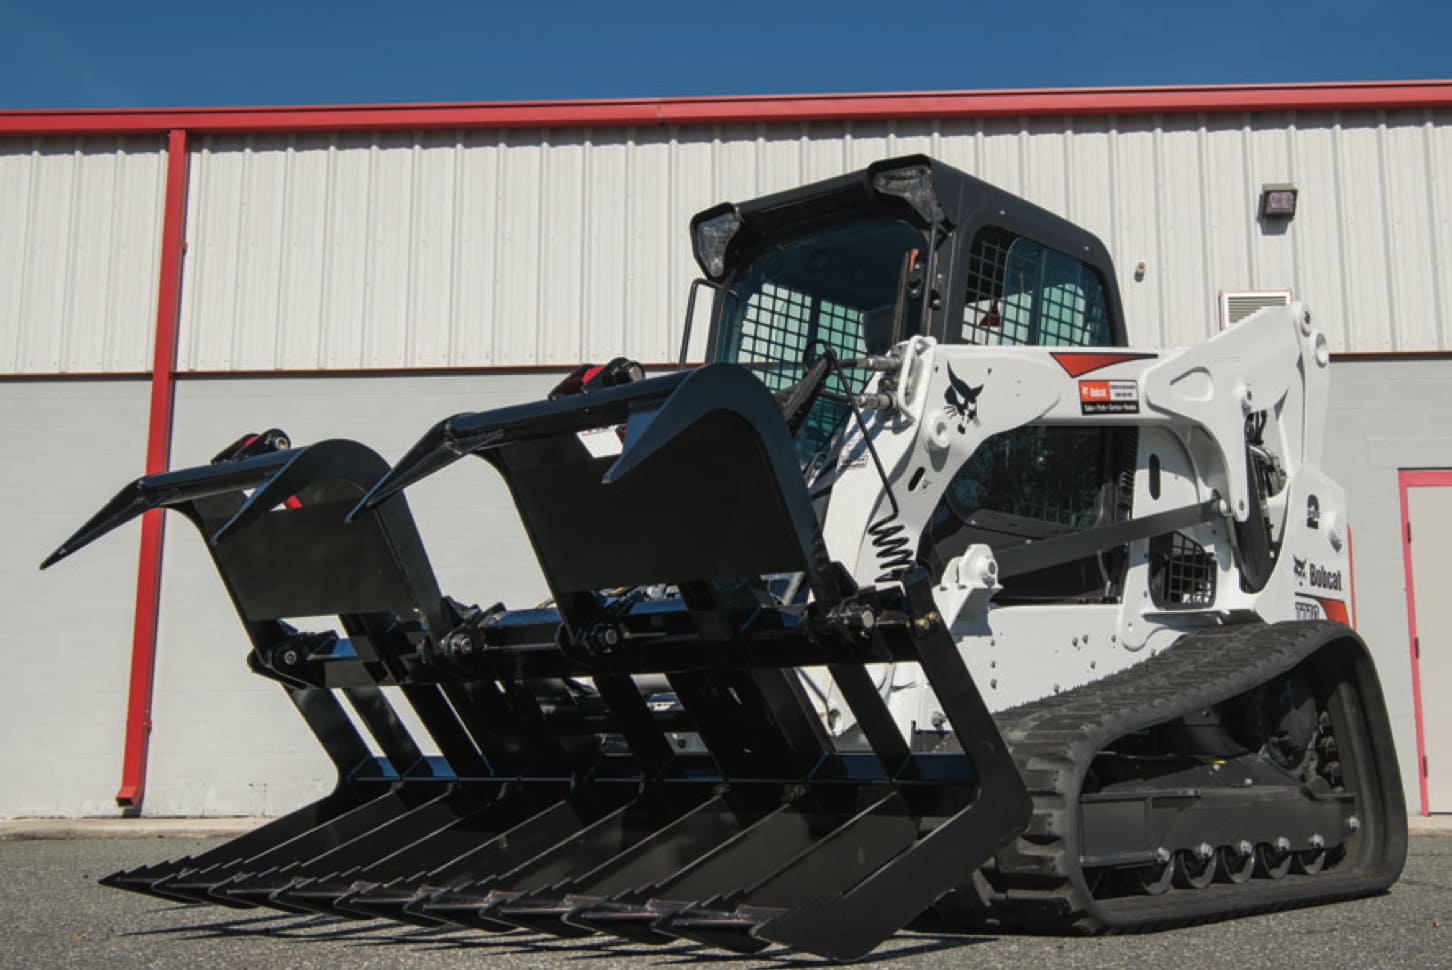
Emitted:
pixel 56 916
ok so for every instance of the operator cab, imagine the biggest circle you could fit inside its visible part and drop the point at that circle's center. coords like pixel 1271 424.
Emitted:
pixel 912 246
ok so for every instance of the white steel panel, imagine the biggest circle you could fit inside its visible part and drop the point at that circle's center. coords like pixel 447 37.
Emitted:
pixel 1321 271
pixel 1438 148
pixel 80 231
pixel 561 259
pixel 1368 303
pixel 1272 256
pixel 528 248
pixel 1411 232
pixel 1045 163
pixel 604 273
pixel 67 635
pixel 1183 278
pixel 1089 162
pixel 1136 233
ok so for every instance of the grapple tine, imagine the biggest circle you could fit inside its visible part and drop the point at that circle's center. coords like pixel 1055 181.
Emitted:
pixel 430 454
pixel 634 923
pixel 357 855
pixel 387 901
pixel 723 929
pixel 167 490
pixel 657 854
pixel 462 905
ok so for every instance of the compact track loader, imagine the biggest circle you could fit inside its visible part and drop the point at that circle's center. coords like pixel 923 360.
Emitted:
pixel 924 601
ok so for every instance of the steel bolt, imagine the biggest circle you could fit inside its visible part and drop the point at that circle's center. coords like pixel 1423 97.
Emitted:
pixel 1353 823
pixel 289 657
pixel 926 622
pixel 1204 851
pixel 1244 848
pixel 1162 854
pixel 1317 842
pixel 1283 844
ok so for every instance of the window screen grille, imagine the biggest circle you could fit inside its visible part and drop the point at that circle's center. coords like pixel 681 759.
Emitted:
pixel 1022 293
pixel 1182 573
pixel 1046 474
pixel 776 328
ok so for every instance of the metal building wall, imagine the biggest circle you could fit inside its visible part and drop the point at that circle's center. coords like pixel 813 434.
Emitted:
pixel 69 444
pixel 548 247
pixel 228 742
pixel 1386 415
pixel 80 231
pixel 316 253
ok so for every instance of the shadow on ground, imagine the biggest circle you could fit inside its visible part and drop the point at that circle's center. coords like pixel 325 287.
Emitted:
pixel 380 933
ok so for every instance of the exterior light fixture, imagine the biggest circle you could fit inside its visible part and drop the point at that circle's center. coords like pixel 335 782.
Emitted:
pixel 711 234
pixel 914 184
pixel 1277 201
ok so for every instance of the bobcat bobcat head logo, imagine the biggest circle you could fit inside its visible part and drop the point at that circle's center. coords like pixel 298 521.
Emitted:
pixel 962 400
pixel 1299 567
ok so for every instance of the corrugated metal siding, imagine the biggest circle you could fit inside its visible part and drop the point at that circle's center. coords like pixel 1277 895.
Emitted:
pixel 80 231
pixel 549 247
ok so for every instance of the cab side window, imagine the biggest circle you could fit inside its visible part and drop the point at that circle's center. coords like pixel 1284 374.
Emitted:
pixel 1021 292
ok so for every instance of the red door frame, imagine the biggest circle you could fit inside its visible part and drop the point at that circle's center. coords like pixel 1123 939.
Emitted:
pixel 1440 478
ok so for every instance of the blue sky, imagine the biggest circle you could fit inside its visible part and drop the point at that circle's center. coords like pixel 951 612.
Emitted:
pixel 87 53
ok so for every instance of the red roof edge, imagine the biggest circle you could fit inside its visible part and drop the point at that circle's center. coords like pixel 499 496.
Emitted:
pixel 744 109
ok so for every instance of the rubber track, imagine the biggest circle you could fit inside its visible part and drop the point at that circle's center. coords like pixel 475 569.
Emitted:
pixel 1037 886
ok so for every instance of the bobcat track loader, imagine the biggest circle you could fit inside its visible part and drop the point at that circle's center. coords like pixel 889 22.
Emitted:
pixel 925 601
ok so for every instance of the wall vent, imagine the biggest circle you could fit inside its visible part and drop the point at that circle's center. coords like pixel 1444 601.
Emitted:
pixel 1236 305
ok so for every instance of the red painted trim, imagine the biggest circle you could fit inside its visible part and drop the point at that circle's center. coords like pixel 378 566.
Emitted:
pixel 1076 364
pixel 158 458
pixel 1407 480
pixel 1351 568
pixel 744 109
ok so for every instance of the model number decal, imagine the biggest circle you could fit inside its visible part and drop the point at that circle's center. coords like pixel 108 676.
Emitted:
pixel 1109 397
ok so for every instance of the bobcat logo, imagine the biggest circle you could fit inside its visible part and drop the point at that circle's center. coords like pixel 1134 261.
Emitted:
pixel 962 400
pixel 1299 567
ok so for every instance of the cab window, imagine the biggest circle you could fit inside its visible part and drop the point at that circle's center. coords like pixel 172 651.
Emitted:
pixel 1021 292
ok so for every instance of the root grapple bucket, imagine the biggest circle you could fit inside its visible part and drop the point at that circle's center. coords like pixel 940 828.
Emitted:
pixel 638 759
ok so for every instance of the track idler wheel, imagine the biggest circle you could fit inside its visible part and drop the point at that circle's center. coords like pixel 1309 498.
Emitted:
pixel 1235 864
pixel 1156 878
pixel 1273 861
pixel 1308 862
pixel 1194 868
